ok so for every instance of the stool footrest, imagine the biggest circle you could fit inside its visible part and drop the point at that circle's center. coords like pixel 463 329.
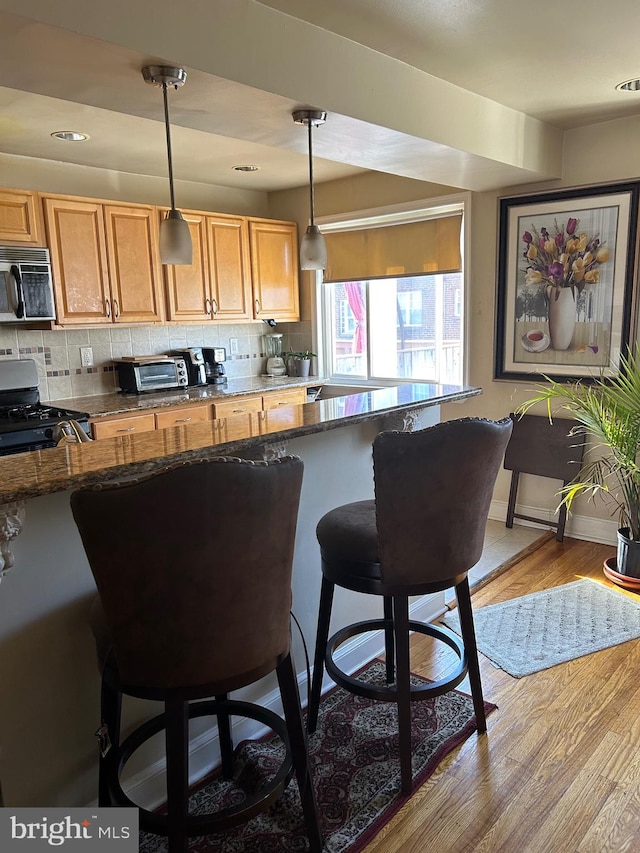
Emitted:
pixel 156 822
pixel 389 692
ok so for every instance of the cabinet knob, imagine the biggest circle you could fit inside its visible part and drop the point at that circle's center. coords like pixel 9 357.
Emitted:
pixel 116 309
pixel 107 306
pixel 182 420
pixel 215 307
pixel 258 309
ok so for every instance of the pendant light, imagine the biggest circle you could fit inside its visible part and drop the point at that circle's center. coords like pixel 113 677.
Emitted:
pixel 313 250
pixel 175 237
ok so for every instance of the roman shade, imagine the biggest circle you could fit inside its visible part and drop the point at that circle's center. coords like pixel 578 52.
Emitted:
pixel 410 248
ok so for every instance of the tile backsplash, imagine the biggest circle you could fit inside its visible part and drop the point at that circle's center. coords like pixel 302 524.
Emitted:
pixel 61 374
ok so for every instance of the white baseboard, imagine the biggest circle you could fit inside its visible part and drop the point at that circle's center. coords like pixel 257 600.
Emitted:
pixel 592 529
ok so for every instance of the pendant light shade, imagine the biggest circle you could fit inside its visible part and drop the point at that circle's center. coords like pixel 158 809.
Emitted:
pixel 175 237
pixel 313 250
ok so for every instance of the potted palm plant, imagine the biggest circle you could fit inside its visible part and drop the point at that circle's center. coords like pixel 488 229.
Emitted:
pixel 608 411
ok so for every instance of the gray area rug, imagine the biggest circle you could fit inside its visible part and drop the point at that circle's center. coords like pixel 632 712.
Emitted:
pixel 540 630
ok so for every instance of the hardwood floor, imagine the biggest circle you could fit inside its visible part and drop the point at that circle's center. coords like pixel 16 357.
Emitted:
pixel 559 769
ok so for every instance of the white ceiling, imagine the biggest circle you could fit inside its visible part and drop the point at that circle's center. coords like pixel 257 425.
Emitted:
pixel 557 63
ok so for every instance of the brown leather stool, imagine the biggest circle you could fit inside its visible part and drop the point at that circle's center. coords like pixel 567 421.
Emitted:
pixel 422 534
pixel 193 569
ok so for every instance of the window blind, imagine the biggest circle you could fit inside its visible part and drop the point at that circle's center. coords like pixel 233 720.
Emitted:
pixel 409 248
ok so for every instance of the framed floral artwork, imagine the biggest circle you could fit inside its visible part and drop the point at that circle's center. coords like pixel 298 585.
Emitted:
pixel 566 265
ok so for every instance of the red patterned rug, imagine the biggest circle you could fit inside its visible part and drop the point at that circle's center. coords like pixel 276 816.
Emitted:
pixel 355 765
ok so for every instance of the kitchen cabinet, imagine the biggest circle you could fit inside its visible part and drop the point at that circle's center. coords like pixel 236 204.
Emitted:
pixel 104 261
pixel 291 397
pixel 274 269
pixel 183 415
pixel 217 284
pixel 20 218
pixel 108 427
pixel 241 405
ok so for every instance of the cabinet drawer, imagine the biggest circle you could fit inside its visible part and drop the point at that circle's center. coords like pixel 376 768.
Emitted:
pixel 109 427
pixel 237 406
pixel 182 416
pixel 294 397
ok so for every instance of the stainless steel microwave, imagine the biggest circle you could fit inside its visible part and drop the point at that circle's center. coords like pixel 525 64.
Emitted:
pixel 26 286
pixel 136 375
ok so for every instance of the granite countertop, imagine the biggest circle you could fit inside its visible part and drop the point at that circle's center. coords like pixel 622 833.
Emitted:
pixel 117 403
pixel 68 466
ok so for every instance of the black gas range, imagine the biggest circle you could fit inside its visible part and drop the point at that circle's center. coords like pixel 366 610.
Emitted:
pixel 26 423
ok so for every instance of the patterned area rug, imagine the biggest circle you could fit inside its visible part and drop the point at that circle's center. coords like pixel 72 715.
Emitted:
pixel 540 630
pixel 355 765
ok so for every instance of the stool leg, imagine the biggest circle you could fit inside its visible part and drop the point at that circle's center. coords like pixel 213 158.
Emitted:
pixel 389 651
pixel 403 686
pixel 469 638
pixel 513 491
pixel 297 737
pixel 177 745
pixel 226 743
pixel 322 636
pixel 110 713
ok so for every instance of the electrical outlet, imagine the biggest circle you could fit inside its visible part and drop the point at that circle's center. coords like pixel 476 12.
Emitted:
pixel 233 346
pixel 86 356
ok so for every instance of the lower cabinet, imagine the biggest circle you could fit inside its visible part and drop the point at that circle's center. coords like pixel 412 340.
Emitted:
pixel 248 405
pixel 108 427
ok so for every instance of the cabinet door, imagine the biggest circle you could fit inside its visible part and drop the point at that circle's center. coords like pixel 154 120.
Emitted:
pixel 134 266
pixel 274 269
pixel 20 219
pixel 292 397
pixel 229 267
pixel 187 285
pixel 76 237
pixel 110 427
pixel 183 416
pixel 240 405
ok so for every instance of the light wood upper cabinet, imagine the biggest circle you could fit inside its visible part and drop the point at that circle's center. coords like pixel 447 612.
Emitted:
pixel 104 261
pixel 134 268
pixel 274 269
pixel 77 244
pixel 217 284
pixel 229 267
pixel 20 218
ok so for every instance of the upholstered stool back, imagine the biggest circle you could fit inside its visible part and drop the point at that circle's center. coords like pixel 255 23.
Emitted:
pixel 194 569
pixel 433 490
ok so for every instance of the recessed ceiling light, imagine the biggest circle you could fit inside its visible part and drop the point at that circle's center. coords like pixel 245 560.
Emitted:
pixel 629 86
pixel 70 135
pixel 248 168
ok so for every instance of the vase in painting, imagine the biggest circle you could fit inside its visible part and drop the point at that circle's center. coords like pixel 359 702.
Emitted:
pixel 562 317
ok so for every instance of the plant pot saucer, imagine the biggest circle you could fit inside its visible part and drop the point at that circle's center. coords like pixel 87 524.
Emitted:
pixel 626 581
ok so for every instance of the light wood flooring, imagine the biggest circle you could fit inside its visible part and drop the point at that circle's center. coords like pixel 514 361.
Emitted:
pixel 559 769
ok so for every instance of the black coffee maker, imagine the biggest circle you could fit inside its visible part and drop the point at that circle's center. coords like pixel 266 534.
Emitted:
pixel 214 366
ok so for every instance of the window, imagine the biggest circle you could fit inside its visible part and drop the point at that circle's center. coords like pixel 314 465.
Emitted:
pixel 402 327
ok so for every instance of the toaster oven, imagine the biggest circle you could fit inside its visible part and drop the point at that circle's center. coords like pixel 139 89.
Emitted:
pixel 139 374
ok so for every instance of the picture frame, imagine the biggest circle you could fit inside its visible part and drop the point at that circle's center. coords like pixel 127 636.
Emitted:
pixel 566 270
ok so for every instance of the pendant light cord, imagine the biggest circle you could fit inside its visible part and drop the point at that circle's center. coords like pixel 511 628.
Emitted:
pixel 311 198
pixel 168 131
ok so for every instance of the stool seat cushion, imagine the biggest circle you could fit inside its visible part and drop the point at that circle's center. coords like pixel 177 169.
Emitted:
pixel 349 532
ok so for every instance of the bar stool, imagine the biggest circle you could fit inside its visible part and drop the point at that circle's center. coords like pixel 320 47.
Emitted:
pixel 193 570
pixel 422 534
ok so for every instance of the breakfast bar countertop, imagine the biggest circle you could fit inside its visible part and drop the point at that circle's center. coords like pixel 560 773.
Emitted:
pixel 68 466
